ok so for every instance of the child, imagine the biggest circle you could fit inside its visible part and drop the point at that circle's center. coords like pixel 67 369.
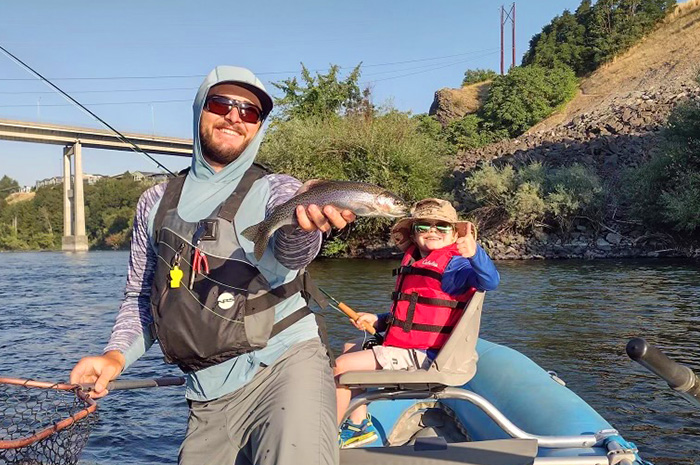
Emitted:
pixel 442 262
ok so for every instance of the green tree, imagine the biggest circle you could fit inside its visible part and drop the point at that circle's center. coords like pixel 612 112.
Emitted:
pixel 472 76
pixel 322 95
pixel 526 95
pixel 7 186
pixel 595 33
pixel 562 42
pixel 110 206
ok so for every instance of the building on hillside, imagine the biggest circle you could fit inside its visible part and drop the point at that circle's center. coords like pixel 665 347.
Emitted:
pixel 25 189
pixel 90 179
pixel 144 176
pixel 50 182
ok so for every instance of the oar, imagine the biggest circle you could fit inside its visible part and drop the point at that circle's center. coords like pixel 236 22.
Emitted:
pixel 140 383
pixel 679 377
pixel 349 312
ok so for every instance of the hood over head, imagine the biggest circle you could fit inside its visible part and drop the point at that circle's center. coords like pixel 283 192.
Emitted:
pixel 246 79
pixel 204 188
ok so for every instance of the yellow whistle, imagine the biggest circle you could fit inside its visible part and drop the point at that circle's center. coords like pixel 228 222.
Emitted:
pixel 175 276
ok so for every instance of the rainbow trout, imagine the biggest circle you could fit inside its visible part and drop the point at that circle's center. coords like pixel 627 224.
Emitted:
pixel 361 198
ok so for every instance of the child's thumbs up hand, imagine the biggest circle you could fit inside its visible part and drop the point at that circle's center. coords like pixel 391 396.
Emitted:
pixel 466 245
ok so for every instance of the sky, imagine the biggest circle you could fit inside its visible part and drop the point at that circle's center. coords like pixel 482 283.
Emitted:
pixel 138 63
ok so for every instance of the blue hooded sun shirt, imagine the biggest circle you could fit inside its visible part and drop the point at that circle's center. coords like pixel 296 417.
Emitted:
pixel 203 191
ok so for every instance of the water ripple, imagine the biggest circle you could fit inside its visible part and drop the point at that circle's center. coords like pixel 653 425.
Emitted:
pixel 574 317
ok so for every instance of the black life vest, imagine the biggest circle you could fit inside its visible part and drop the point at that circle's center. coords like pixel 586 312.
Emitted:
pixel 231 309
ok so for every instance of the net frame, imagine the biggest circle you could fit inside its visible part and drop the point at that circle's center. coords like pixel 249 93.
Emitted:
pixel 31 442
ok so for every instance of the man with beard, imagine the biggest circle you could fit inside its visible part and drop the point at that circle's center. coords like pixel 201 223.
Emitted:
pixel 238 327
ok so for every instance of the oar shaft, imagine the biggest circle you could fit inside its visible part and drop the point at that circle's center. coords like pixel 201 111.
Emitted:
pixel 679 377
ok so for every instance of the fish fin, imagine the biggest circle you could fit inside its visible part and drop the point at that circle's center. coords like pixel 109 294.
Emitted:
pixel 251 232
pixel 310 184
pixel 257 235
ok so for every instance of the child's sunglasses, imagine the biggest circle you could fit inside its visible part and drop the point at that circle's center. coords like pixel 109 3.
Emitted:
pixel 442 228
pixel 222 106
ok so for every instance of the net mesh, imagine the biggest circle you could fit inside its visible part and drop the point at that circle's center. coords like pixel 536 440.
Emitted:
pixel 46 424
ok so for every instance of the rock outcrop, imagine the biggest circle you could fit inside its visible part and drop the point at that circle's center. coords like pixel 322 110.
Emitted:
pixel 451 104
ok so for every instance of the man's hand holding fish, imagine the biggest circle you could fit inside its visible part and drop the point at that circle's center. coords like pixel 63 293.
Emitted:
pixel 314 217
pixel 323 218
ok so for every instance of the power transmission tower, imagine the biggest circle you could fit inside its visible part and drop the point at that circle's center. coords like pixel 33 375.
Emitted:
pixel 505 17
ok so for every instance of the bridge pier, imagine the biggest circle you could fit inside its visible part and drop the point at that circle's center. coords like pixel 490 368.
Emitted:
pixel 74 238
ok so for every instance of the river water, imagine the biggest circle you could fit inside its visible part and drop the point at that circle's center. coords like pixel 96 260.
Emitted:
pixel 573 317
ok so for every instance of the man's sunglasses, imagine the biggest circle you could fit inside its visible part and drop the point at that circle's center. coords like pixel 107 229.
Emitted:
pixel 222 106
pixel 442 228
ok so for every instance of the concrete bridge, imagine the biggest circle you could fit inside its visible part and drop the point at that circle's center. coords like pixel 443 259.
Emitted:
pixel 73 139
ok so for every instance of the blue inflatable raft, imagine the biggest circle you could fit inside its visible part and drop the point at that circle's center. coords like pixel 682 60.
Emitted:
pixel 481 403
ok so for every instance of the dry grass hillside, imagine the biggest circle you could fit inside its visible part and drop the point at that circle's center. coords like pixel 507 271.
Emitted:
pixel 668 58
pixel 615 119
pixel 19 197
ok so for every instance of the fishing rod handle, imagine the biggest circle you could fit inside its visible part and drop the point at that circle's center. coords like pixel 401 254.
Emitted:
pixel 354 316
pixel 679 377
pixel 145 383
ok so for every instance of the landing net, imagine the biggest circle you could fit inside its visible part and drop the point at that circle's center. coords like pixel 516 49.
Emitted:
pixel 43 423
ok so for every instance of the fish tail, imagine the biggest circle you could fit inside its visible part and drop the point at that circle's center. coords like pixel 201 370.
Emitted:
pixel 258 235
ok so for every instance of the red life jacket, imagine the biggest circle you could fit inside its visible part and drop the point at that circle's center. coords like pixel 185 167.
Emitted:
pixel 423 315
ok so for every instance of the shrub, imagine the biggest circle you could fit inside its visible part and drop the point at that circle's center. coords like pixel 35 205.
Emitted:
pixel 526 95
pixel 469 133
pixel 334 247
pixel 526 208
pixel 504 198
pixel 574 190
pixel 491 186
pixel 681 203
pixel 665 191
pixel 429 126
pixel 387 150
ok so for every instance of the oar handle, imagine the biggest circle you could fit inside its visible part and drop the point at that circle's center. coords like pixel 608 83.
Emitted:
pixel 141 383
pixel 679 377
pixel 354 316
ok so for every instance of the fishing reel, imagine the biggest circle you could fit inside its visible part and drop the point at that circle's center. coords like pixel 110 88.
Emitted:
pixel 375 339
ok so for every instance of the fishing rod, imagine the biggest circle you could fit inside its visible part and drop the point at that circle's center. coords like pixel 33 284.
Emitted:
pixel 119 135
pixel 352 314
pixel 680 378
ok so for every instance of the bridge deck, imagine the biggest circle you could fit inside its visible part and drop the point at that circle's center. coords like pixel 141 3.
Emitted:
pixel 41 133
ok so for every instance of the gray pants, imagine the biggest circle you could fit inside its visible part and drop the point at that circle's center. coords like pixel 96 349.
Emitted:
pixel 285 415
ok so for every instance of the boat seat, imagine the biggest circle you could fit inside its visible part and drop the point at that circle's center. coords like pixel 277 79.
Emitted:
pixel 496 452
pixel 454 365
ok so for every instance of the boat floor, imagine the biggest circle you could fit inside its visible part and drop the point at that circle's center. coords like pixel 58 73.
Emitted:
pixel 434 451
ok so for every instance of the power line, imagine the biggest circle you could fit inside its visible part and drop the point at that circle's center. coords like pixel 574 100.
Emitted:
pixel 34 105
pixel 151 102
pixel 264 73
pixel 430 66
pixel 425 71
pixel 119 135
pixel 98 91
